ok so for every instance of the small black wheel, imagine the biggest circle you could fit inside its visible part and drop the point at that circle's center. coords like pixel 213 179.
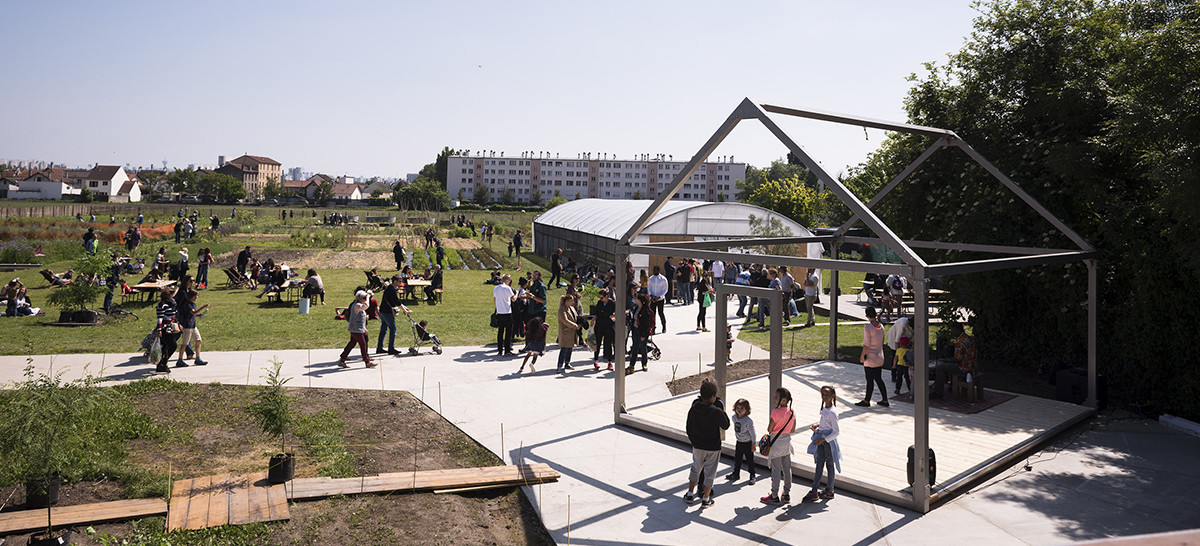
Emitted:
pixel 437 350
pixel 413 351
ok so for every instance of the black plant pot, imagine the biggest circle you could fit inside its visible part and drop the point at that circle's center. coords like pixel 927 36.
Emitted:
pixel 66 316
pixel 85 316
pixel 61 536
pixel 39 493
pixel 282 468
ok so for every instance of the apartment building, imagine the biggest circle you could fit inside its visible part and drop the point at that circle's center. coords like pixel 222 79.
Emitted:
pixel 538 180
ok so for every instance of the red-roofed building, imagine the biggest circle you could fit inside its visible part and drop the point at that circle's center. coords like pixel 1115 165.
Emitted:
pixel 253 171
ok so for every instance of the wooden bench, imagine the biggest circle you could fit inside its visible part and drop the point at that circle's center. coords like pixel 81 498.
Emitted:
pixel 437 295
pixel 275 295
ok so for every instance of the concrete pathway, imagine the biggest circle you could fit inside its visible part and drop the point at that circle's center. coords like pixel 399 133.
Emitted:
pixel 622 486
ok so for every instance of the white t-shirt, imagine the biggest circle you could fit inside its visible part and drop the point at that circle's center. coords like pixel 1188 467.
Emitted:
pixel 503 294
pixel 812 290
pixel 718 269
pixel 892 289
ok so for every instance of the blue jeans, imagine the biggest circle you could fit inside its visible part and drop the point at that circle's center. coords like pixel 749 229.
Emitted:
pixel 640 347
pixel 202 275
pixel 387 323
pixel 685 292
pixel 741 312
pixel 564 357
pixel 824 458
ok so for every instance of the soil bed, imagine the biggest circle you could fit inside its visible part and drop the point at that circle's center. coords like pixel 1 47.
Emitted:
pixel 207 432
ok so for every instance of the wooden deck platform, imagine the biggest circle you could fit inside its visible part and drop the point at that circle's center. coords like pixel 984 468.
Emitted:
pixel 426 480
pixel 66 516
pixel 875 440
pixel 212 501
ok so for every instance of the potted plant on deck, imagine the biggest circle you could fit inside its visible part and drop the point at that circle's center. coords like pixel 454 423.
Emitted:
pixel 48 434
pixel 272 411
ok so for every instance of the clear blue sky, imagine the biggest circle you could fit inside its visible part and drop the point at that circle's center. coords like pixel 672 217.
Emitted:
pixel 378 88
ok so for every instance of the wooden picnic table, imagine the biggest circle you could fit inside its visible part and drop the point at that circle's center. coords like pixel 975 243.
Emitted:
pixel 411 285
pixel 146 288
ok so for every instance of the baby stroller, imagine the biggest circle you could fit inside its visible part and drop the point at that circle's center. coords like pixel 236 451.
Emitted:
pixel 421 335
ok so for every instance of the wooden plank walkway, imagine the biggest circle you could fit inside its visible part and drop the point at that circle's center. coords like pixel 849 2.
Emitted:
pixel 212 501
pixel 875 440
pixel 63 516
pixel 425 480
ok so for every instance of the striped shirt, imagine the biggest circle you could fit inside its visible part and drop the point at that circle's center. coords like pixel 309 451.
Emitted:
pixel 165 312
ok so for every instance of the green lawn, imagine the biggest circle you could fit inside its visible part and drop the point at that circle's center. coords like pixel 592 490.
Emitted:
pixel 236 320
pixel 813 342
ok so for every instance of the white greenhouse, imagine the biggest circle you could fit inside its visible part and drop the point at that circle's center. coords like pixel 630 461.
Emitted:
pixel 587 229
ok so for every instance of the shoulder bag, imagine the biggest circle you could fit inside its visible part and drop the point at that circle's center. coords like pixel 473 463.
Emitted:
pixel 765 443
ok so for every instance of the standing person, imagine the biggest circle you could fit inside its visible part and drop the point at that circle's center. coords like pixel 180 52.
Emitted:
pixel 516 242
pixel 202 265
pixel 718 272
pixel 536 306
pixel 535 344
pixel 605 312
pixel 811 282
pixel 89 241
pixel 555 268
pixel 782 424
pixel 787 283
pixel 743 429
pixel 165 330
pixel 440 252
pixel 683 282
pixel 504 297
pixel 179 227
pixel 658 288
pixel 520 306
pixel 669 273
pixel 824 447
pixel 705 294
pixel 398 254
pixel 140 218
pixel 568 326
pixel 191 334
pixel 872 359
pixel 643 328
pixel 387 316
pixel 899 338
pixel 243 259
pixel 214 223
pixel 705 421
pixel 742 279
pixel 896 286
pixel 356 316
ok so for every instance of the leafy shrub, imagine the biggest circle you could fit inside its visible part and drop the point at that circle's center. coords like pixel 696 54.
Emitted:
pixel 460 233
pixel 319 238
pixel 17 251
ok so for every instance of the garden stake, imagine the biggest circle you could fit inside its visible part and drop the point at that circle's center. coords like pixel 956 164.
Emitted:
pixel 310 367
pixel 501 442
pixel 422 383
pixel 792 349
pixel 439 397
pixel 568 519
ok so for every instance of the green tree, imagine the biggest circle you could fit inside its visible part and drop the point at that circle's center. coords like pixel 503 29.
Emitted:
pixel 440 165
pixel 324 193
pixel 778 170
pixel 535 197
pixel 222 187
pixel 85 196
pixel 789 197
pixel 273 189
pixel 480 194
pixel 422 194
pixel 509 196
pixel 1090 107
pixel 555 201
pixel 182 180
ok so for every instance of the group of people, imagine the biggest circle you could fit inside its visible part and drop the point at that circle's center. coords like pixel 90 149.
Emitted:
pixel 900 339
pixel 706 419
pixel 16 300
pixel 176 328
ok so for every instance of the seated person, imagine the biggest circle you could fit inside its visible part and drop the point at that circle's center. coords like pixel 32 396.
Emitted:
pixel 53 278
pixel 69 275
pixel 124 288
pixel 423 333
pixel 253 272
pixel 9 294
pixel 275 281
pixel 495 280
pixel 374 281
pixel 23 306
pixel 435 282
pixel 314 286
pixel 426 275
pixel 964 362
pixel 152 277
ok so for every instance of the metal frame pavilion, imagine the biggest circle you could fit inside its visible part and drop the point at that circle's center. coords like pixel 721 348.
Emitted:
pixel 913 266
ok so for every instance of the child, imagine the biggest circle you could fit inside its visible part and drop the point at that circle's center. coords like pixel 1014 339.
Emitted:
pixel 824 446
pixel 187 318
pixel 535 342
pixel 423 332
pixel 901 367
pixel 729 355
pixel 743 428
pixel 781 427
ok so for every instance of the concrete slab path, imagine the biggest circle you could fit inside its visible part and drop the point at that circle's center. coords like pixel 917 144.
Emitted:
pixel 622 486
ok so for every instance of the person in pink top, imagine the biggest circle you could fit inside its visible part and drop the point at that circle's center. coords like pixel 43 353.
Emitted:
pixel 872 359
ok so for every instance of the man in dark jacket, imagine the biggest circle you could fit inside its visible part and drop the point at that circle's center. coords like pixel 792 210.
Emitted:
pixel 387 316
pixel 705 421
pixel 669 273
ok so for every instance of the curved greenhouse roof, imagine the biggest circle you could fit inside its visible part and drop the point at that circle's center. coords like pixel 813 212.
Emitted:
pixel 593 226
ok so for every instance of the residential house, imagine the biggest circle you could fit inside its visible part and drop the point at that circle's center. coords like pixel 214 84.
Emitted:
pixel 384 187
pixel 43 184
pixel 347 192
pixel 253 172
pixel 105 181
pixel 301 188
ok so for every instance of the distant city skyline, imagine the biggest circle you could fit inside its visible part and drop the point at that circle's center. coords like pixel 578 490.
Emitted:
pixel 384 86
